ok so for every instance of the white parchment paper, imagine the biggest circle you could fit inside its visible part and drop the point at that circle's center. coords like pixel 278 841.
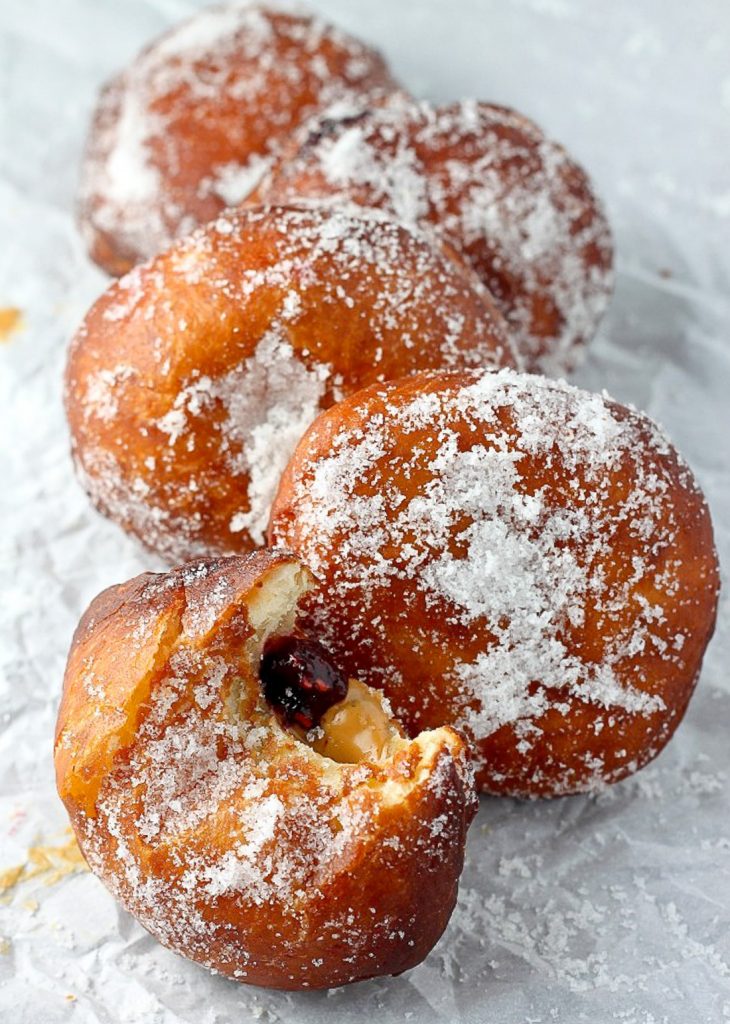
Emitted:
pixel 608 908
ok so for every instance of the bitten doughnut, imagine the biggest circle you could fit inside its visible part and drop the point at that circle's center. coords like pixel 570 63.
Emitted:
pixel 192 379
pixel 529 563
pixel 509 199
pixel 207 809
pixel 190 126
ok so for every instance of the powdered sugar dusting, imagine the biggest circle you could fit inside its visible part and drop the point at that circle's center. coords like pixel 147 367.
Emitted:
pixel 508 198
pixel 100 400
pixel 234 181
pixel 491 506
pixel 271 400
pixel 247 75
pixel 213 820
pixel 274 313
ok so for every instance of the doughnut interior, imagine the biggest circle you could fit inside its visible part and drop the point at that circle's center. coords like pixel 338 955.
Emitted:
pixel 224 832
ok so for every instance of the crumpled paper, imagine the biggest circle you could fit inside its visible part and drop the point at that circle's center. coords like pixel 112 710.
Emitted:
pixel 613 907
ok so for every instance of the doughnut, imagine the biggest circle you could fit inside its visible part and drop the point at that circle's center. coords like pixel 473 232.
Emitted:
pixel 225 787
pixel 190 126
pixel 192 379
pixel 524 561
pixel 509 199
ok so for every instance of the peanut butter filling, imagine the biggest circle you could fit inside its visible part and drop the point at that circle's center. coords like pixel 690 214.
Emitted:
pixel 357 729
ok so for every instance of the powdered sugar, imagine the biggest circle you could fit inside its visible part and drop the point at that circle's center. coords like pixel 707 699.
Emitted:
pixel 274 314
pixel 130 176
pixel 271 400
pixel 507 540
pixel 226 836
pixel 503 194
pixel 233 182
pixel 247 75
pixel 214 28
pixel 100 400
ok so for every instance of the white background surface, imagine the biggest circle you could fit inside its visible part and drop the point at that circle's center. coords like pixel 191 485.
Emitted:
pixel 609 908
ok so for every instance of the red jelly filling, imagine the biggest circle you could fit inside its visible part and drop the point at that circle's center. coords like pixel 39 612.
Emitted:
pixel 299 680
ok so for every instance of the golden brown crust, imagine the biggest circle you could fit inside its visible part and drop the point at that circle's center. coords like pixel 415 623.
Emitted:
pixel 191 379
pixel 190 125
pixel 230 840
pixel 127 634
pixel 509 199
pixel 529 563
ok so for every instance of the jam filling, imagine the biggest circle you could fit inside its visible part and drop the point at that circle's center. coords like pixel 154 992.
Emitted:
pixel 299 681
